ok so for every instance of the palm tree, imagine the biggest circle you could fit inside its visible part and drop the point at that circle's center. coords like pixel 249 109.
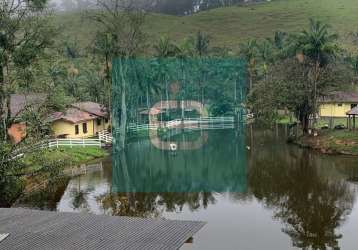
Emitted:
pixel 201 44
pixel 315 48
pixel 184 51
pixel 164 48
pixel 317 43
pixel 318 47
pixel 249 52
pixel 278 43
pixel 265 53
pixel 353 63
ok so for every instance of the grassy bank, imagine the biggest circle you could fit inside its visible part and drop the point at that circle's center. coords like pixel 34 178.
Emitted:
pixel 332 142
pixel 230 25
pixel 65 156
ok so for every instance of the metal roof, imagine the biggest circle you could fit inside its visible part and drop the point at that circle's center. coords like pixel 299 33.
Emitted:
pixel 33 229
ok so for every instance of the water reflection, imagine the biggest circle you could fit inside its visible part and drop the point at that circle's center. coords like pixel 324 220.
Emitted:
pixel 296 198
pixel 310 206
pixel 144 168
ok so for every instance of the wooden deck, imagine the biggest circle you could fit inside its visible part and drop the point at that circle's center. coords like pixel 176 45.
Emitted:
pixel 32 229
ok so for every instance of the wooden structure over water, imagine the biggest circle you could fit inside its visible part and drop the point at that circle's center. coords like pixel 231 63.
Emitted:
pixel 32 229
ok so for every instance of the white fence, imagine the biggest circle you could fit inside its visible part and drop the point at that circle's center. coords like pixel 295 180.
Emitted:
pixel 105 136
pixel 186 121
pixel 73 143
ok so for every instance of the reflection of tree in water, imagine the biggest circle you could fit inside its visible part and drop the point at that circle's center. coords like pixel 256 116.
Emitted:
pixel 145 204
pixel 79 196
pixel 152 204
pixel 310 206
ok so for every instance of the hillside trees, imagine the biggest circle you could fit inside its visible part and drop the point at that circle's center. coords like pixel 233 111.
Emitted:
pixel 297 81
pixel 122 24
pixel 24 34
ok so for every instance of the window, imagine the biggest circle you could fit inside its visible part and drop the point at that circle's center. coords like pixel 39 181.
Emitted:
pixel 77 130
pixel 84 128
pixel 353 105
pixel 99 122
pixel 106 120
pixel 339 104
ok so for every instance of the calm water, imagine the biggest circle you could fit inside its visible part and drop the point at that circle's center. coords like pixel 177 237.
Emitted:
pixel 254 191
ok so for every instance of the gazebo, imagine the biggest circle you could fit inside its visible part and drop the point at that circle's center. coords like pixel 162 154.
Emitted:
pixel 352 117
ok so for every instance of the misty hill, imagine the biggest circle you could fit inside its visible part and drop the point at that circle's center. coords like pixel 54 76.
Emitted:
pixel 229 25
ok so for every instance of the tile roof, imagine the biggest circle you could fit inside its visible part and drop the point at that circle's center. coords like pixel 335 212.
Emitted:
pixel 19 102
pixel 73 115
pixel 91 107
pixel 340 96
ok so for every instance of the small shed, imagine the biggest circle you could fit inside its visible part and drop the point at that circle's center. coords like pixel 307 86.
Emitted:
pixel 352 118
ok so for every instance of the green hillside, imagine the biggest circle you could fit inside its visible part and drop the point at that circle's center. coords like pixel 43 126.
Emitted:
pixel 228 26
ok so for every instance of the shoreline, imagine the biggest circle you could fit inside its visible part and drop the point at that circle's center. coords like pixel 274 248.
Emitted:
pixel 339 142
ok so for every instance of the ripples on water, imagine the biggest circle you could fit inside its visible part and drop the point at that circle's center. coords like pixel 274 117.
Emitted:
pixel 255 192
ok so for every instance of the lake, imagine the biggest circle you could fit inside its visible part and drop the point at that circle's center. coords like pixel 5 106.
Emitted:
pixel 253 189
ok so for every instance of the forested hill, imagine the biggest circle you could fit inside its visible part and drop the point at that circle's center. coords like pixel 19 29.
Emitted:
pixel 230 25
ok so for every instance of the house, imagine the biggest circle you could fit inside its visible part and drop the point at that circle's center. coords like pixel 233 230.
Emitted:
pixel 18 105
pixel 337 104
pixel 81 120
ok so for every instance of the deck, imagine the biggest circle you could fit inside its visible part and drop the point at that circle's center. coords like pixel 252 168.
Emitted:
pixel 32 229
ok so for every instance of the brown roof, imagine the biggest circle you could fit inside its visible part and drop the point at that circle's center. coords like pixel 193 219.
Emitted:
pixel 73 115
pixel 340 96
pixel 353 111
pixel 91 107
pixel 19 103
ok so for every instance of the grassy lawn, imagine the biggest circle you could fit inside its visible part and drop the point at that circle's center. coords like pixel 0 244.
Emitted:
pixel 326 121
pixel 63 156
pixel 230 25
pixel 286 119
pixel 333 141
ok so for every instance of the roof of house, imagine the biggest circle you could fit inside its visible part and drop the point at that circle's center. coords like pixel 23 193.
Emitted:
pixel 72 115
pixel 19 102
pixel 92 107
pixel 340 96
pixel 353 111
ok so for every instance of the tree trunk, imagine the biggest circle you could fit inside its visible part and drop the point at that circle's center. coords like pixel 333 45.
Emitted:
pixel 4 106
pixel 305 123
pixel 123 125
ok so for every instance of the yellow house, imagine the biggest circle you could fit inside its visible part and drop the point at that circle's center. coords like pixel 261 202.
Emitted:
pixel 337 104
pixel 81 120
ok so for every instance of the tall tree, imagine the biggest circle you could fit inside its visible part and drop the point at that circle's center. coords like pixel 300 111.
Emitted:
pixel 249 52
pixel 24 34
pixel 318 47
pixel 122 22
pixel 353 64
pixel 297 81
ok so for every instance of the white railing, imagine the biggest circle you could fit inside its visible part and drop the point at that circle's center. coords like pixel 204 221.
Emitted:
pixel 73 143
pixel 177 122
pixel 56 143
pixel 105 136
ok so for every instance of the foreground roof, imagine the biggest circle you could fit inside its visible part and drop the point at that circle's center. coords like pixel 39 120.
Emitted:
pixel 340 96
pixel 91 107
pixel 31 229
